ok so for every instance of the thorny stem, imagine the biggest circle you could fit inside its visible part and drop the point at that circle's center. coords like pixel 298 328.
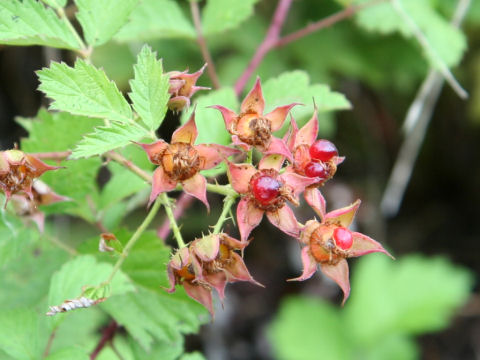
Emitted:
pixel 268 43
pixel 107 336
pixel 203 45
pixel 273 40
pixel 183 202
pixel 126 250
pixel 227 205
pixel 165 201
pixel 129 165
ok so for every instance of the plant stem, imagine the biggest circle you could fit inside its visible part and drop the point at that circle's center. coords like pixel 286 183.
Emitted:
pixel 268 43
pixel 227 205
pixel 225 190
pixel 182 203
pixel 49 343
pixel 203 45
pixel 325 22
pixel 84 51
pixel 249 156
pixel 57 155
pixel 165 201
pixel 143 226
pixel 129 165
pixel 107 336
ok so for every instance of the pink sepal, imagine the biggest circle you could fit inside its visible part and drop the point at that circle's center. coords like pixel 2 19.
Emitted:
pixel 285 220
pixel 178 103
pixel 200 294
pixel 229 117
pixel 278 146
pixel 278 115
pixel 237 142
pixel 154 150
pixel 160 183
pixel 240 175
pixel 236 270
pixel 309 266
pixel 187 133
pixel 254 101
pixel 218 281
pixel 315 199
pixel 213 154
pixel 308 133
pixel 339 274
pixel 363 244
pixel 345 215
pixel 297 183
pixel 197 187
pixel 206 248
pixel 39 166
pixel 248 217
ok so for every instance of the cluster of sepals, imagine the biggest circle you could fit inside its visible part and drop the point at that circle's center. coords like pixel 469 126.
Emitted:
pixel 210 262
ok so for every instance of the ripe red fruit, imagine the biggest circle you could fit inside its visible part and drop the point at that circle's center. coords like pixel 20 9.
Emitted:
pixel 316 169
pixel 323 150
pixel 265 189
pixel 343 238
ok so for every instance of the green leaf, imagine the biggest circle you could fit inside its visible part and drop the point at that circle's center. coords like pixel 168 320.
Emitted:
pixel 82 271
pixel 307 327
pixel 193 356
pixel 150 89
pixel 28 22
pixel 101 20
pixel 83 90
pixel 59 132
pixel 409 296
pixel 447 42
pixel 22 334
pixel 55 3
pixel 154 19
pixel 71 353
pixel 106 138
pixel 221 15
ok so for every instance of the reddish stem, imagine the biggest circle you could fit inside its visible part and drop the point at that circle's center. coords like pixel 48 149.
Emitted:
pixel 183 203
pixel 107 336
pixel 268 43
pixel 58 155
pixel 203 45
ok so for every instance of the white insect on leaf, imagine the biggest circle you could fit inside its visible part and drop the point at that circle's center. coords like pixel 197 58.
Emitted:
pixel 69 305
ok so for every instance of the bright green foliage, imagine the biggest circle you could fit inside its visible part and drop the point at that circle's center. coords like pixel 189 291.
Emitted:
pixel 106 138
pixel 72 353
pixel 193 356
pixel 306 329
pixel 55 3
pixel 448 43
pixel 29 22
pixel 150 89
pixel 154 19
pixel 83 90
pixel 221 15
pixel 101 19
pixel 22 334
pixel 390 302
pixel 59 132
pixel 83 271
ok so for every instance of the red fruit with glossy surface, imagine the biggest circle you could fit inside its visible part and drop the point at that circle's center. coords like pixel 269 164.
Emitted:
pixel 323 150
pixel 343 238
pixel 265 189
pixel 316 169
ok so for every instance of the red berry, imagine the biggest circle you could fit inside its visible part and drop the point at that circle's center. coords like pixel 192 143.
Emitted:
pixel 265 189
pixel 343 238
pixel 316 169
pixel 323 150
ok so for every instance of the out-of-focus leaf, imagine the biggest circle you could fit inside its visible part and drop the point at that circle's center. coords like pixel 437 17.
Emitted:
pixel 29 22
pixel 22 334
pixel 448 43
pixel 101 20
pixel 150 89
pixel 409 296
pixel 221 15
pixel 84 90
pixel 71 353
pixel 55 3
pixel 155 19
pixel 307 328
pixel 193 356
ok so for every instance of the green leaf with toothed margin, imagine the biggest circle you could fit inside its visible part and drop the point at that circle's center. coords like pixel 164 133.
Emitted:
pixel 222 15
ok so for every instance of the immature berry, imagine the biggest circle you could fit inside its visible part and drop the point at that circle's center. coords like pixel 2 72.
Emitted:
pixel 316 169
pixel 265 189
pixel 343 238
pixel 323 150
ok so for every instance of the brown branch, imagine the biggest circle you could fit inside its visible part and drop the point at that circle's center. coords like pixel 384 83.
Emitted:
pixel 130 165
pixel 326 22
pixel 107 336
pixel 203 45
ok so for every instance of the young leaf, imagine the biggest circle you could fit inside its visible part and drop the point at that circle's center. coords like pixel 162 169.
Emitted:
pixel 101 20
pixel 106 138
pixel 84 90
pixel 447 42
pixel 28 22
pixel 150 89
pixel 221 15
pixel 154 19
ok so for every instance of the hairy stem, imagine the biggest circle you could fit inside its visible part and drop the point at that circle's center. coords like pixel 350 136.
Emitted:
pixel 165 201
pixel 227 205
pixel 131 242
pixel 129 165
pixel 203 45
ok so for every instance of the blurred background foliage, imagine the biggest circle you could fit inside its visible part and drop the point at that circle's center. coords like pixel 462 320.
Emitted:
pixel 420 306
